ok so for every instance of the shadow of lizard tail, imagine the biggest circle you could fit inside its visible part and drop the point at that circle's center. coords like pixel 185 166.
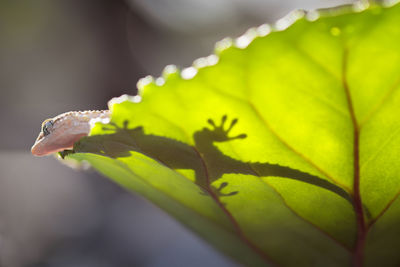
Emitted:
pixel 218 164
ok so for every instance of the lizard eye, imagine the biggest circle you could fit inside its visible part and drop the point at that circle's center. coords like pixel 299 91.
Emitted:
pixel 47 127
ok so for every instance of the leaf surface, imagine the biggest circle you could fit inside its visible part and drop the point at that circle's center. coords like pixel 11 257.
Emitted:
pixel 283 143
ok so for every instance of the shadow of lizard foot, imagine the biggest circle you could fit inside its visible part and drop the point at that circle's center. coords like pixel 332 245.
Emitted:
pixel 218 192
pixel 220 134
pixel 112 127
pixel 222 186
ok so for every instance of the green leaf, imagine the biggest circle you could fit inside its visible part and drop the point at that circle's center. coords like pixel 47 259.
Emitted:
pixel 280 149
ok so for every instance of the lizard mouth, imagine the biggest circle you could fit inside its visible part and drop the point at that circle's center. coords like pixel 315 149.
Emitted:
pixel 43 146
pixel 36 149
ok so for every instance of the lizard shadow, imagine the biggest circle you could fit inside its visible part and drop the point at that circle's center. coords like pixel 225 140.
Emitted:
pixel 204 157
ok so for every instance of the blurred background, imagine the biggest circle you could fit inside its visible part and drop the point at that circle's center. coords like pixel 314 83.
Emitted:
pixel 62 55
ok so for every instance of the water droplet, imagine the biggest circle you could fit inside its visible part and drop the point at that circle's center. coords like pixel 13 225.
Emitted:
pixel 389 3
pixel 243 41
pixel 144 81
pixel 200 63
pixel 335 31
pixel 212 60
pixel 263 30
pixel 205 61
pixel 136 98
pixel 169 69
pixel 289 19
pixel 360 6
pixel 160 81
pixel 312 15
pixel 188 73
pixel 93 122
pixel 223 44
pixel 123 98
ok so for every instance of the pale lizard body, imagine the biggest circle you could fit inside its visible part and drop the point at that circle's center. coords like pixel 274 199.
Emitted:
pixel 61 132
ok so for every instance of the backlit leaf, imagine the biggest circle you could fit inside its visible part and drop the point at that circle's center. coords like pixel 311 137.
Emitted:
pixel 266 148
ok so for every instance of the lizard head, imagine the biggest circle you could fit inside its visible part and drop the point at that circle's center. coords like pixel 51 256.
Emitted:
pixel 59 133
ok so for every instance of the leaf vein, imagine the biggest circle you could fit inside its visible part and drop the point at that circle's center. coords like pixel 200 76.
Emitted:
pixel 375 109
pixel 385 143
pixel 266 124
pixel 232 219
pixel 301 155
pixel 289 207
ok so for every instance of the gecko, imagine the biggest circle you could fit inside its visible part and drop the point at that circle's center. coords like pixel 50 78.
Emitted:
pixel 61 132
